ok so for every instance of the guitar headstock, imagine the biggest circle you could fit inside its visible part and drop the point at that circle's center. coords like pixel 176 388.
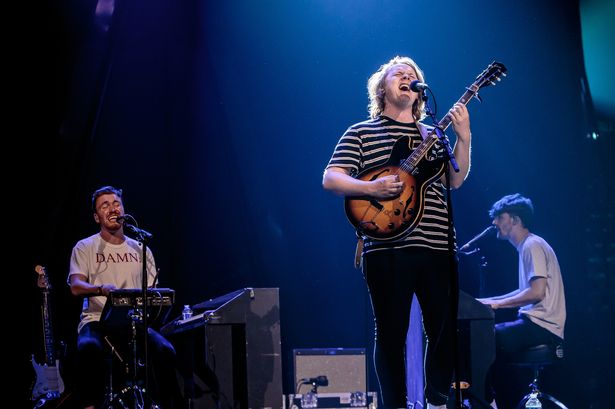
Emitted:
pixel 43 279
pixel 494 72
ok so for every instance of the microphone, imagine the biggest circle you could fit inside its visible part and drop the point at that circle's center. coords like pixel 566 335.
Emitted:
pixel 318 381
pixel 418 86
pixel 130 224
pixel 124 217
pixel 477 237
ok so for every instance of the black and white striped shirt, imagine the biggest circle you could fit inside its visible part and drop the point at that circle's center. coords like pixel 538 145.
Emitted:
pixel 368 144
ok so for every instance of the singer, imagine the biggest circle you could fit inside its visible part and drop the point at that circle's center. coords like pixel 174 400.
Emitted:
pixel 99 264
pixel 540 297
pixel 416 263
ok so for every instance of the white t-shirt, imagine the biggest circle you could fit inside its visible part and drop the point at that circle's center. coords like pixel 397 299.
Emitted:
pixel 105 263
pixel 537 259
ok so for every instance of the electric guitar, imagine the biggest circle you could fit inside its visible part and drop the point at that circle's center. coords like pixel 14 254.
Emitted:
pixel 48 384
pixel 388 219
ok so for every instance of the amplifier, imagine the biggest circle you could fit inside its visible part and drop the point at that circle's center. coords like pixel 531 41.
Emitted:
pixel 229 352
pixel 355 400
pixel 345 369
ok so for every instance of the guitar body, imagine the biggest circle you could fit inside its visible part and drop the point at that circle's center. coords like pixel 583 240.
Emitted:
pixel 393 218
pixel 48 382
pixel 48 386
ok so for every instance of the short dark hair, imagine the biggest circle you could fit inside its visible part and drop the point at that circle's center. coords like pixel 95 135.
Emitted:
pixel 105 190
pixel 515 205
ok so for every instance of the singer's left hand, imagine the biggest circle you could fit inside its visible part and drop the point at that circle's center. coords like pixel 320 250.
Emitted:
pixel 460 117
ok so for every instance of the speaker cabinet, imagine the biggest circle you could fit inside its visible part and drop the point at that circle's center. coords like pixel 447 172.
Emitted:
pixel 229 352
pixel 345 369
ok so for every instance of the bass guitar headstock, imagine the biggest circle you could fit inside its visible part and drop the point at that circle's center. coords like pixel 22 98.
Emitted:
pixel 43 279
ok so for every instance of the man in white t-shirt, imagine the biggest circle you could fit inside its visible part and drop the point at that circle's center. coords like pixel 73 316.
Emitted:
pixel 99 264
pixel 540 296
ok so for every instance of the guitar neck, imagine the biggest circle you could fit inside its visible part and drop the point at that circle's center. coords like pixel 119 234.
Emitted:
pixel 416 156
pixel 465 98
pixel 50 356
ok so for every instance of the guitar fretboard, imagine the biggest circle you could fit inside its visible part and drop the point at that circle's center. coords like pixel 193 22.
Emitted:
pixel 417 155
pixel 50 356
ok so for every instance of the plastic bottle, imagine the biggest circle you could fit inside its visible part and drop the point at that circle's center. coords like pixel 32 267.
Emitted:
pixel 533 402
pixel 186 312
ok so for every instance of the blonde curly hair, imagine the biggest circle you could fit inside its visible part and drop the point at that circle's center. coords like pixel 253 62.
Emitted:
pixel 375 88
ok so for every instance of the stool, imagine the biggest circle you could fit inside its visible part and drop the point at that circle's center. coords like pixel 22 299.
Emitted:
pixel 537 357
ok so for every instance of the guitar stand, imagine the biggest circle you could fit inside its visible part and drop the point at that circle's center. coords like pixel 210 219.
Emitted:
pixel 133 395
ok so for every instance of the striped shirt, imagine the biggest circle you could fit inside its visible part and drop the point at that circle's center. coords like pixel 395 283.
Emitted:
pixel 368 144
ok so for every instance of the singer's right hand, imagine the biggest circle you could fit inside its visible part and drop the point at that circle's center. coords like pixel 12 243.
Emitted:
pixel 386 187
pixel 105 289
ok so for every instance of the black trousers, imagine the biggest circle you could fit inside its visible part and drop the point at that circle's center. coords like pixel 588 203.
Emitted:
pixel 393 276
pixel 93 369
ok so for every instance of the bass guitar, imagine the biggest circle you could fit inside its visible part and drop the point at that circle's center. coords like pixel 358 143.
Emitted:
pixel 389 219
pixel 48 384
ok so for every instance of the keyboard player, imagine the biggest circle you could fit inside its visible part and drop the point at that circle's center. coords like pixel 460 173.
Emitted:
pixel 540 297
pixel 99 264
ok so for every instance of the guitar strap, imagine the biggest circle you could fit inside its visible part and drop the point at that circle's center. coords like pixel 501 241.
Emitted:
pixel 423 129
pixel 358 259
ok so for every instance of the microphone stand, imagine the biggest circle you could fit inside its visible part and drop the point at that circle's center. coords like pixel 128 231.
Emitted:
pixel 482 264
pixel 453 276
pixel 142 236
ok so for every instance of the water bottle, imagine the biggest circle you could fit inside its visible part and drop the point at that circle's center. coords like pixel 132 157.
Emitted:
pixel 186 312
pixel 533 402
